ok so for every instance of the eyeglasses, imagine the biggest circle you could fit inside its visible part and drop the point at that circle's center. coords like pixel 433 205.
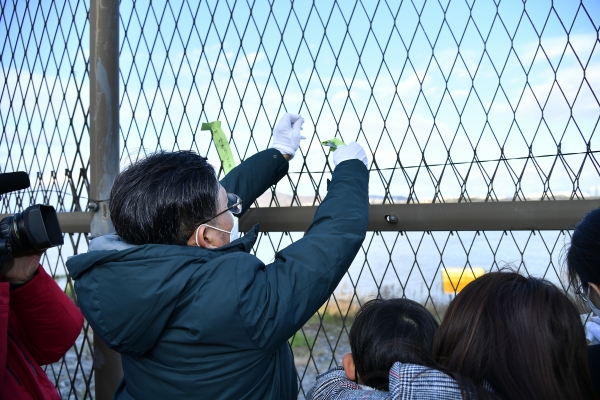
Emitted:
pixel 580 291
pixel 586 298
pixel 234 205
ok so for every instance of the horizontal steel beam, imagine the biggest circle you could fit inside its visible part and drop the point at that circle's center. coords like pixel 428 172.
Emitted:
pixel 490 216
pixel 493 216
pixel 71 222
pixel 75 222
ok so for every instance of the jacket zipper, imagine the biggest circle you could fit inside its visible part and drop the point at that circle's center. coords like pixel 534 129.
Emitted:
pixel 23 353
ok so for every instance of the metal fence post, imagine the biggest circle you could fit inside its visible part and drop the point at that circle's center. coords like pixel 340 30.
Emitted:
pixel 104 154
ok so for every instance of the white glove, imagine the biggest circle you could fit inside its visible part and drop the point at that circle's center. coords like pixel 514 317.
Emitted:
pixel 353 151
pixel 286 134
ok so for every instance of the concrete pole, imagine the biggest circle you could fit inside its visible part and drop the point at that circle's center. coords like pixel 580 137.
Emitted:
pixel 104 155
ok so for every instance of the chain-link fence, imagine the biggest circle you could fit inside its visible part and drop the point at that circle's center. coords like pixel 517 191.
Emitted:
pixel 454 101
pixel 43 110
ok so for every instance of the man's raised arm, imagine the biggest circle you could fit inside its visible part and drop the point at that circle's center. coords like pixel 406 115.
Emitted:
pixel 256 174
pixel 279 299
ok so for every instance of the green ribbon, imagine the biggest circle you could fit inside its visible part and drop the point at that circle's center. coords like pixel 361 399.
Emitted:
pixel 333 143
pixel 222 145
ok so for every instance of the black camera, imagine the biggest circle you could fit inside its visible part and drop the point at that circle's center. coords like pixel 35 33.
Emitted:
pixel 33 230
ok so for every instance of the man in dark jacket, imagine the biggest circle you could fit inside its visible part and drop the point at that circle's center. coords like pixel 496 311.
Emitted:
pixel 193 314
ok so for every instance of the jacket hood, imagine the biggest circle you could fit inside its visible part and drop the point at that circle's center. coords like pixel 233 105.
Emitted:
pixel 128 293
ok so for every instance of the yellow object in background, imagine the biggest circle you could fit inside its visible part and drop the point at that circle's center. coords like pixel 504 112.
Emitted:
pixel 455 279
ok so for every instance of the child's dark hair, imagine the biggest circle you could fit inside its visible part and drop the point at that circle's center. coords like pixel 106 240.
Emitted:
pixel 387 331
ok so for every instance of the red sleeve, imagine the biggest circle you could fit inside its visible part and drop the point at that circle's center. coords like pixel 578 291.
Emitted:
pixel 4 297
pixel 49 322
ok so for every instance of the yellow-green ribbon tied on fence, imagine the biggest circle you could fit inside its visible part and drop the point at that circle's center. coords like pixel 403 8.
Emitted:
pixel 333 143
pixel 221 143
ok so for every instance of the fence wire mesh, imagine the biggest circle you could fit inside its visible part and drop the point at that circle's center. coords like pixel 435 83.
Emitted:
pixel 43 109
pixel 453 100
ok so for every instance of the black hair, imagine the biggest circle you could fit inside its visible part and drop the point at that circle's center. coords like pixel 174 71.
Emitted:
pixel 386 331
pixel 523 336
pixel 583 255
pixel 162 198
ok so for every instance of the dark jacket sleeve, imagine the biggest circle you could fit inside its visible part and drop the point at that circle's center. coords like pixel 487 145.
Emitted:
pixel 48 319
pixel 277 300
pixel 255 175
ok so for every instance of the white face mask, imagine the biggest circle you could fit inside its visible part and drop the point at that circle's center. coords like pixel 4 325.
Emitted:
pixel 235 231
pixel 233 234
pixel 589 302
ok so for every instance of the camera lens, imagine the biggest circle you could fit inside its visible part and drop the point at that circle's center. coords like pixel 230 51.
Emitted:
pixel 35 229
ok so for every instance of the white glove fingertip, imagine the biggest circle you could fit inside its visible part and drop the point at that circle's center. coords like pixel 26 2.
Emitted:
pixel 294 117
pixel 287 119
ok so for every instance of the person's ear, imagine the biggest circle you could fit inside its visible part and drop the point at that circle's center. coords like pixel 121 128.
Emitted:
pixel 595 287
pixel 348 363
pixel 202 237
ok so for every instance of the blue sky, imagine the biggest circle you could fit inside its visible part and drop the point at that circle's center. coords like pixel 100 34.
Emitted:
pixel 426 87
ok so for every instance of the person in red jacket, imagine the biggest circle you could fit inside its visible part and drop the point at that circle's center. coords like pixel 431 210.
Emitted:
pixel 38 325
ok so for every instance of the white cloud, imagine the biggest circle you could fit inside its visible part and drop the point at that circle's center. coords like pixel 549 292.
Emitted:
pixel 343 94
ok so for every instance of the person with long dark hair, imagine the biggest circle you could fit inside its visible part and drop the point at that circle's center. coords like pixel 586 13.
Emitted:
pixel 504 336
pixel 522 337
pixel 583 266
